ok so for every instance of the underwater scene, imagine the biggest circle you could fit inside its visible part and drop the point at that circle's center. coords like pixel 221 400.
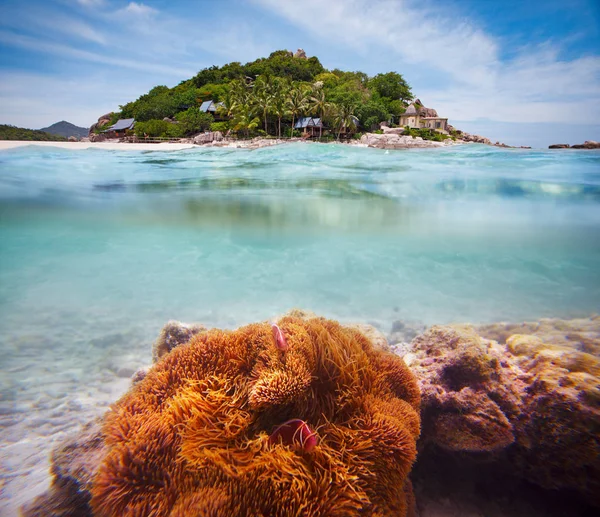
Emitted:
pixel 304 329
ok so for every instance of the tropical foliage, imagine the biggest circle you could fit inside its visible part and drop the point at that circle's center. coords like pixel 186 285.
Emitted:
pixel 18 133
pixel 268 96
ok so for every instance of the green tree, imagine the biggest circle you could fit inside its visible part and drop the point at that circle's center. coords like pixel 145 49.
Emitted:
pixel 280 101
pixel 392 86
pixel 343 116
pixel 193 121
pixel 244 119
pixel 371 113
pixel 264 89
pixel 318 104
pixel 298 103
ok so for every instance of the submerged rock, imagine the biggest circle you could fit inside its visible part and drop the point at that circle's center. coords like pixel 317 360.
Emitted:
pixel 530 403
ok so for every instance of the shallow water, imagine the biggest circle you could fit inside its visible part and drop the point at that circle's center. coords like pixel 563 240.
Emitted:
pixel 98 249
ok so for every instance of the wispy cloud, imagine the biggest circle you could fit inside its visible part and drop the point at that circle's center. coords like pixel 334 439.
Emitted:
pixel 466 78
pixel 60 50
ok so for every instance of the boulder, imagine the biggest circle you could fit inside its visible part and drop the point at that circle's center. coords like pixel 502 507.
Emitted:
pixel 102 120
pixel 208 137
pixel 97 137
pixel 392 130
pixel 300 54
pixel 74 464
pixel 559 146
pixel 73 139
pixel 529 403
pixel 588 144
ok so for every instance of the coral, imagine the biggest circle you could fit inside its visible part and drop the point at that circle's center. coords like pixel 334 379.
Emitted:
pixel 74 464
pixel 582 334
pixel 173 334
pixel 531 406
pixel 302 417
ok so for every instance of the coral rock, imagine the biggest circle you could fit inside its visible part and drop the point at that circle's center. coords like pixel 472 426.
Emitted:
pixel 533 400
pixel 173 334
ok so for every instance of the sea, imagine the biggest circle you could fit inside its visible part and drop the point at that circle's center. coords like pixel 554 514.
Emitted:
pixel 99 249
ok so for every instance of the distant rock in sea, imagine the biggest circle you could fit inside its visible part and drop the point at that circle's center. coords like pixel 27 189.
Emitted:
pixel 66 129
pixel 588 144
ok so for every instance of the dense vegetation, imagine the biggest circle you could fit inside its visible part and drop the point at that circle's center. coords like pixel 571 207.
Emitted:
pixel 18 133
pixel 267 96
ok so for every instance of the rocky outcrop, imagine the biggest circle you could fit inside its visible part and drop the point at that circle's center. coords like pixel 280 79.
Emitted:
pixel 97 137
pixel 208 137
pixel 588 144
pixel 102 120
pixel 300 54
pixel 392 130
pixel 529 404
pixel 468 137
pixel 392 140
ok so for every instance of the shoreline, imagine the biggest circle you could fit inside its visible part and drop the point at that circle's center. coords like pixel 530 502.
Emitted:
pixel 108 146
pixel 6 145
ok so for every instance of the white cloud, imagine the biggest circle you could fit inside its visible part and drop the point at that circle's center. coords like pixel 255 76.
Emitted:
pixel 415 34
pixel 138 10
pixel 466 79
pixel 66 51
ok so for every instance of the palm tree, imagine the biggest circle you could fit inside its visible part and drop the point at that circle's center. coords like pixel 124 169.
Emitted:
pixel 244 119
pixel 297 103
pixel 263 95
pixel 318 105
pixel 344 116
pixel 279 102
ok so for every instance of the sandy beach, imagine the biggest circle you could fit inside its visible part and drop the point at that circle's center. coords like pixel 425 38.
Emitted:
pixel 107 146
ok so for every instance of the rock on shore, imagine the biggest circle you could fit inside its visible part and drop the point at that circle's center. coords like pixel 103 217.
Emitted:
pixel 391 140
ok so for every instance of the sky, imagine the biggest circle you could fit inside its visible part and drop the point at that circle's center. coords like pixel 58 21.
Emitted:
pixel 518 71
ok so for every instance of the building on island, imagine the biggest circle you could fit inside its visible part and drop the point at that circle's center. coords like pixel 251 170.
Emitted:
pixel 310 125
pixel 120 128
pixel 210 107
pixel 419 117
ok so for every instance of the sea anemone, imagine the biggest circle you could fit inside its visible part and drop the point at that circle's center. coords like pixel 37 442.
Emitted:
pixel 301 417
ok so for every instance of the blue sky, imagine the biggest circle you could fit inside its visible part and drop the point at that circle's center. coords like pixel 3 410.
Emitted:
pixel 516 71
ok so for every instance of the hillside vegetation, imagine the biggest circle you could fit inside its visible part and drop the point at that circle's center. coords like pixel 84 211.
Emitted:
pixel 18 133
pixel 267 96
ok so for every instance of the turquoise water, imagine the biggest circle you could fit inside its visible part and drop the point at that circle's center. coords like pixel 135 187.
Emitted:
pixel 98 249
pixel 227 236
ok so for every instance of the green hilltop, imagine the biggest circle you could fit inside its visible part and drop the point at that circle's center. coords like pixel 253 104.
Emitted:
pixel 267 96
pixel 8 132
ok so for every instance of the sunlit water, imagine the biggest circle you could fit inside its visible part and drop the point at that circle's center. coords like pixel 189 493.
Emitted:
pixel 98 249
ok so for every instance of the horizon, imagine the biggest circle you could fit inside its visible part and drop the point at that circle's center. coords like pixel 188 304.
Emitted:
pixel 515 73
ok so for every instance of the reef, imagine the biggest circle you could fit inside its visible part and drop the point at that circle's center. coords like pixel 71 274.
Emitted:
pixel 528 404
pixel 298 417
